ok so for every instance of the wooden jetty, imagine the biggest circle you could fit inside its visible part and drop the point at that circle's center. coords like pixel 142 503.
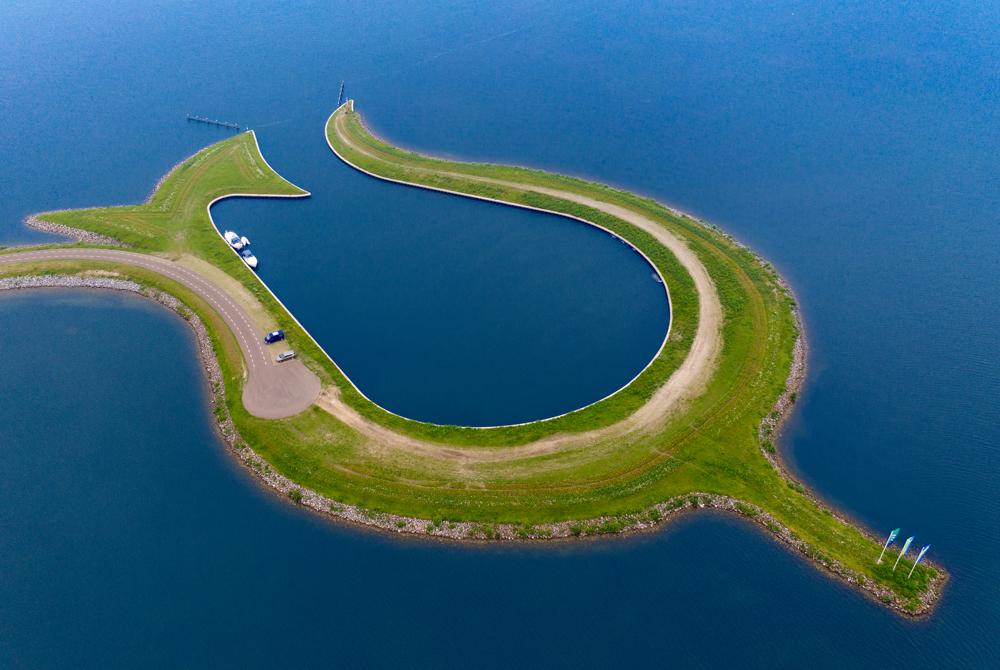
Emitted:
pixel 214 122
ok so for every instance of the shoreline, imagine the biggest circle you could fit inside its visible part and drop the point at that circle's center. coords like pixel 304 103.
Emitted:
pixel 647 519
pixel 35 222
pixel 81 236
pixel 771 425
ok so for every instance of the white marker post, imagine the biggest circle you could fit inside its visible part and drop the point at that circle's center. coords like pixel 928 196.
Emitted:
pixel 892 536
pixel 919 556
pixel 906 545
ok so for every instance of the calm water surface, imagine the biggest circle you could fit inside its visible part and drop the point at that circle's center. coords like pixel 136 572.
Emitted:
pixel 854 146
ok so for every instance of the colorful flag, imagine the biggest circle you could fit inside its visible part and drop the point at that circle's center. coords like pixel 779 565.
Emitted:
pixel 919 556
pixel 906 545
pixel 892 536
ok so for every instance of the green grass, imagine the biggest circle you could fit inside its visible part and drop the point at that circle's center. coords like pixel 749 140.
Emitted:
pixel 175 220
pixel 603 485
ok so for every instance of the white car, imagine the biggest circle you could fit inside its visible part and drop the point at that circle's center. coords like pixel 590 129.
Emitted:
pixel 284 356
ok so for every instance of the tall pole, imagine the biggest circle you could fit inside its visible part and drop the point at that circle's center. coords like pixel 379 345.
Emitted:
pixel 888 541
pixel 919 557
pixel 884 547
pixel 906 545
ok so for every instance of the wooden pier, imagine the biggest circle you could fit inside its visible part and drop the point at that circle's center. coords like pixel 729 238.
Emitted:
pixel 214 122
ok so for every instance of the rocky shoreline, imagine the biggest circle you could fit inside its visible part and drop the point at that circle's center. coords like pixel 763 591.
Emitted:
pixel 85 236
pixel 769 432
pixel 68 281
pixel 80 235
pixel 469 531
pixel 167 174
pixel 466 531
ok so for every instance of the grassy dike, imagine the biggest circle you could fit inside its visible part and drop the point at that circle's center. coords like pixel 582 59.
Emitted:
pixel 479 483
pixel 714 446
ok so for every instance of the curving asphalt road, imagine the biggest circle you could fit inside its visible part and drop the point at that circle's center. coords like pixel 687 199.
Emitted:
pixel 272 390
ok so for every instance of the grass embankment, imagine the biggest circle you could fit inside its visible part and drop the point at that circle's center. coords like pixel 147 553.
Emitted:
pixel 174 223
pixel 713 445
pixel 709 445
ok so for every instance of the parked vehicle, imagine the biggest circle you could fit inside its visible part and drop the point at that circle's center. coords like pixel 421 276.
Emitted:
pixel 285 356
pixel 274 336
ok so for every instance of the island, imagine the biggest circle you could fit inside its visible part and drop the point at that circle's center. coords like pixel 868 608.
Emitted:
pixel 696 429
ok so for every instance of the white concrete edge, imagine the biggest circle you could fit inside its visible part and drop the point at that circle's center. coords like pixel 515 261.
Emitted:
pixel 211 219
pixel 260 153
pixel 663 279
pixel 292 316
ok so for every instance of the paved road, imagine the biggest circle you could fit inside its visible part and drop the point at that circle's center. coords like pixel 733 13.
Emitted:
pixel 272 390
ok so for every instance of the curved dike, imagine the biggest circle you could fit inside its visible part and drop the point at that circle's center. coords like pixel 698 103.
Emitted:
pixel 451 310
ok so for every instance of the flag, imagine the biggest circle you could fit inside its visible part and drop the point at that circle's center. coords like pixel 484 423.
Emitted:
pixel 919 556
pixel 906 545
pixel 892 536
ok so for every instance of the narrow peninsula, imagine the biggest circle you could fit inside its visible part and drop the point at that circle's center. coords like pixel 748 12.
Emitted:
pixel 696 429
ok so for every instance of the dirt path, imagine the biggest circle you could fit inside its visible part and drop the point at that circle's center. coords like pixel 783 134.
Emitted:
pixel 278 391
pixel 686 382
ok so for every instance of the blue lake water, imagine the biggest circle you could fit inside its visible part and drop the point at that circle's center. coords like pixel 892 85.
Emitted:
pixel 855 146
pixel 451 310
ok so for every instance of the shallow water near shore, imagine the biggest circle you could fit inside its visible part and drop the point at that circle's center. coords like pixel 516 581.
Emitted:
pixel 127 531
pixel 855 147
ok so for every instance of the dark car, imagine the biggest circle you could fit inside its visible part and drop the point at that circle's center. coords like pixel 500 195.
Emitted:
pixel 274 336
